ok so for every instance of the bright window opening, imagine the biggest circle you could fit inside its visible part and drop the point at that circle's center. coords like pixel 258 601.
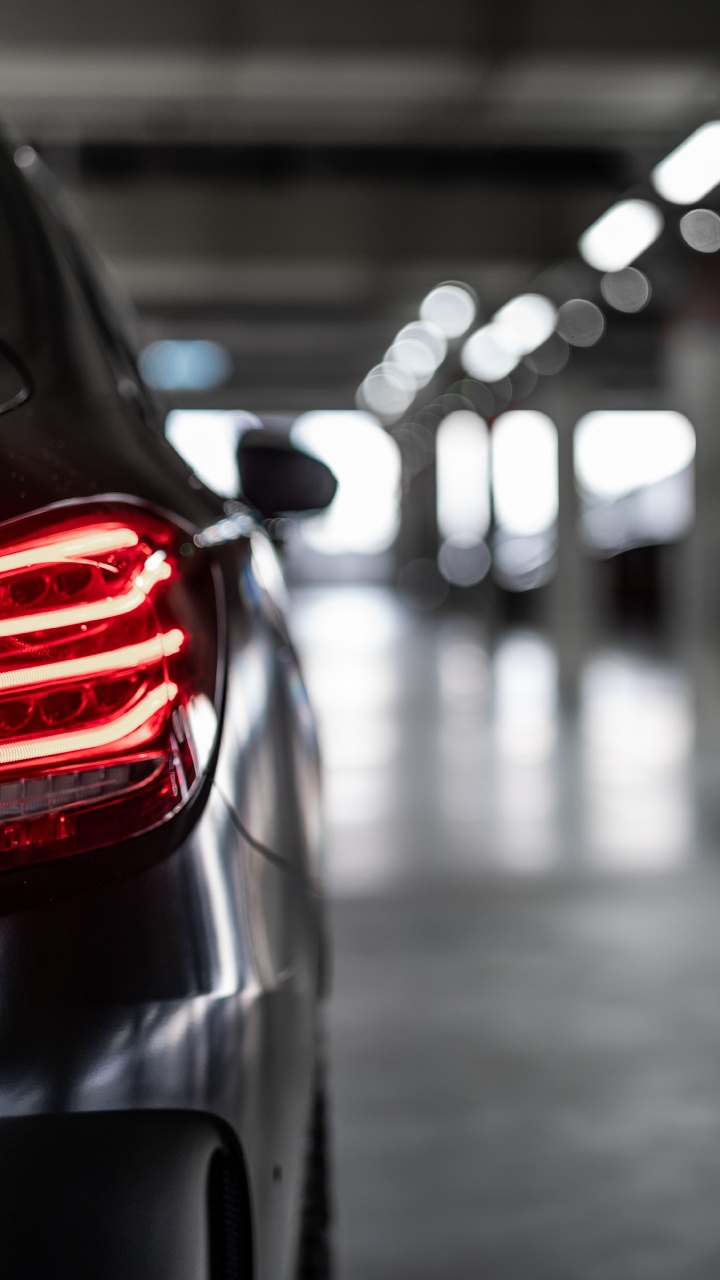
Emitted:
pixel 525 474
pixel 207 440
pixel 525 498
pixel 364 515
pixel 634 472
pixel 463 499
pixel 619 451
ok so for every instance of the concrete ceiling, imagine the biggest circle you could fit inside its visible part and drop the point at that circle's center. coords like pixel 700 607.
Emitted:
pixel 302 174
pixel 454 98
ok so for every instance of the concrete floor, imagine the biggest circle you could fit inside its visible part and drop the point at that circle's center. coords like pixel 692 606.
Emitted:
pixel 526 1022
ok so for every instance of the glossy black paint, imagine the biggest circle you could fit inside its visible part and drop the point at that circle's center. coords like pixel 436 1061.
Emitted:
pixel 181 970
pixel 178 1173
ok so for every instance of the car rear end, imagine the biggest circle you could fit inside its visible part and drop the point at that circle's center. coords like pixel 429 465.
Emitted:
pixel 159 916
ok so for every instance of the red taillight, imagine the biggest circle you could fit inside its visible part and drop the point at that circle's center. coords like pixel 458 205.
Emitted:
pixel 108 655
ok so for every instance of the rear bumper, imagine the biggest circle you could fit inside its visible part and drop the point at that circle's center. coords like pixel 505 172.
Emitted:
pixel 111 1195
pixel 189 986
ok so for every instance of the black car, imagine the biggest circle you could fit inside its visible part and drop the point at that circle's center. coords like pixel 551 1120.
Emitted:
pixel 163 955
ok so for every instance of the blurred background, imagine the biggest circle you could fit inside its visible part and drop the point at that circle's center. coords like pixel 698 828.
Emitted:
pixel 468 254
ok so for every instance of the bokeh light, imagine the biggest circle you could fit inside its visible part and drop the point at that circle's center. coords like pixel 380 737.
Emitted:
pixel 701 230
pixel 692 169
pixel 182 365
pixel 451 307
pixel 580 322
pixel 621 234
pixel 420 349
pixel 628 290
pixel 463 560
pixel 483 357
pixel 388 391
pixel 523 324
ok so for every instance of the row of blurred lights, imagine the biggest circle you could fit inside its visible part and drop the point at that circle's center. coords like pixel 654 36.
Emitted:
pixel 528 336
pixel 611 244
pixel 530 325
pixel 523 326
pixel 621 459
pixel 417 351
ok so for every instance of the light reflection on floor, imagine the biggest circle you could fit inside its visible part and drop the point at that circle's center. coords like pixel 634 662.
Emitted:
pixel 637 734
pixel 441 753
pixel 525 1023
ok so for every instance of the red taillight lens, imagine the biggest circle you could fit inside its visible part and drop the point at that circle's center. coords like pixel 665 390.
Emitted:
pixel 108 659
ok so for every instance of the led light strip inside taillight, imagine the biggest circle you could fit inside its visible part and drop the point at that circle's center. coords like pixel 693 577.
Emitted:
pixel 107 650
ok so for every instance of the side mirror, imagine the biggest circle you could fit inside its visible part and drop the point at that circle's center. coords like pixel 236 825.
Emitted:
pixel 278 479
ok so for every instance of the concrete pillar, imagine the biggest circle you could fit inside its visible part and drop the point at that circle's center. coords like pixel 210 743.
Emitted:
pixel 693 370
pixel 693 373
pixel 571 609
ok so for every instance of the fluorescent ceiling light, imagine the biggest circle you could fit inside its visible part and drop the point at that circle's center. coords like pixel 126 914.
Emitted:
pixel 621 234
pixel 692 169
pixel 420 348
pixel 483 357
pixel 524 323
pixel 518 328
pixel 451 307
pixel 388 390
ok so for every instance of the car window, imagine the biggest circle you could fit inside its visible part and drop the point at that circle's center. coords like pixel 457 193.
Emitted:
pixel 111 310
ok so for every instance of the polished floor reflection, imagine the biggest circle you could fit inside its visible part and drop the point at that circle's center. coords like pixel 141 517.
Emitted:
pixel 526 1025
pixel 444 754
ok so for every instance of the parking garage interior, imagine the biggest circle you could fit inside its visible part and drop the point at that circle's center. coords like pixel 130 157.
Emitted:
pixel 383 230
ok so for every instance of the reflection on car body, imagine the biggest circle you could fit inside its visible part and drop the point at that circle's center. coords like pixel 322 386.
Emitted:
pixel 160 914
